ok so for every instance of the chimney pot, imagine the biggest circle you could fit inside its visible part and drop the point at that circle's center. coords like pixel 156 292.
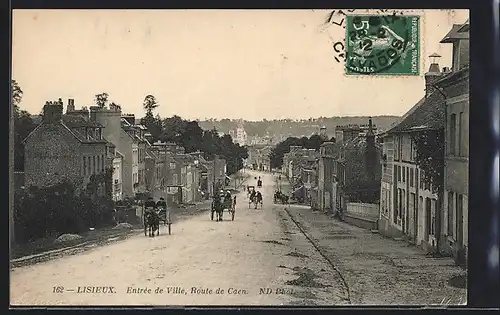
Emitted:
pixel 52 112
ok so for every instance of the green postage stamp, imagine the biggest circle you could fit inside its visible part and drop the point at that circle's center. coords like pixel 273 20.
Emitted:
pixel 383 45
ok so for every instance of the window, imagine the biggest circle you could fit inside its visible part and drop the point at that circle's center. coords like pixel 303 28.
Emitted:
pixel 172 166
pixel 89 165
pixel 460 127
pixel 433 216
pixel 395 173
pixel 93 165
pixel 420 206
pixel 451 210
pixel 400 147
pixel 388 201
pixel 427 185
pixel 404 174
pixel 428 216
pixel 396 148
pixel 84 165
pixel 411 177
pixel 174 179
pixel 453 136
pixel 103 163
pixel 402 212
pixel 413 150
pixel 399 173
pixel 396 209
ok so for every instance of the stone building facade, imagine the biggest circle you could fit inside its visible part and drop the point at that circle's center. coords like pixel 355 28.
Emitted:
pixel 64 147
pixel 455 87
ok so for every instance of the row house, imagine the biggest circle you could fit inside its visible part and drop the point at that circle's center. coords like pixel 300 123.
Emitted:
pixel 138 132
pixel 219 173
pixel 189 177
pixel 305 187
pixel 345 172
pixel 155 172
pixel 259 157
pixel 64 147
pixel 409 206
pixel 204 169
pixel 356 170
pixel 455 86
pixel 129 142
pixel 117 177
pixel 328 155
pixel 348 132
pixel 291 163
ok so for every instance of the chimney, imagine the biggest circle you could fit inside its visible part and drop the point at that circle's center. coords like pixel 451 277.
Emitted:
pixel 71 106
pixel 432 75
pixel 111 121
pixel 370 132
pixel 52 112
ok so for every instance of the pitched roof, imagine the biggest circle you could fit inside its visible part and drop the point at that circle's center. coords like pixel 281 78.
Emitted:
pixel 75 121
pixel 428 115
pixel 465 27
pixel 73 130
pixel 119 154
pixel 453 75
pixel 184 158
pixel 454 34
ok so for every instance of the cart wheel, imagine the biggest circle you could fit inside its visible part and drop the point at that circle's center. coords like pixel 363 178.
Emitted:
pixel 169 229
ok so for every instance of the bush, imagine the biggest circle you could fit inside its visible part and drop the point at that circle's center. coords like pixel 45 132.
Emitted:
pixel 56 210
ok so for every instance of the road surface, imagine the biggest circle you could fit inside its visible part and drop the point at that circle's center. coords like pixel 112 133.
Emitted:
pixel 260 258
pixel 272 256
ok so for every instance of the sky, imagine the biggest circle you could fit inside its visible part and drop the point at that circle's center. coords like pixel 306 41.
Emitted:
pixel 249 64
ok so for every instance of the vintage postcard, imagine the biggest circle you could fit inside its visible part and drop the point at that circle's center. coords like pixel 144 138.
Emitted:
pixel 246 157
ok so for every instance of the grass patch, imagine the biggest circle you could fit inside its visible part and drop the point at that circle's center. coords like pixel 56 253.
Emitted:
pixel 47 244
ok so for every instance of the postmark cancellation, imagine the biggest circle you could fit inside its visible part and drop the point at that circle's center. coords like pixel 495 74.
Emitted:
pixel 383 45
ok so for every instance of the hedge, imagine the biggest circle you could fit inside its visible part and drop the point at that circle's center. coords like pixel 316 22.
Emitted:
pixel 55 210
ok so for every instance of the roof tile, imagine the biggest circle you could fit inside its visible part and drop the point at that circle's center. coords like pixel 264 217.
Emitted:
pixel 429 115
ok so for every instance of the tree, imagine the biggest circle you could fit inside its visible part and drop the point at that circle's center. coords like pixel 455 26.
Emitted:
pixel 153 124
pixel 17 93
pixel 150 103
pixel 101 99
pixel 23 125
pixel 430 159
pixel 277 153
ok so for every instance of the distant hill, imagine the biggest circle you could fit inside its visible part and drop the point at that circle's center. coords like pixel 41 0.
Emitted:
pixel 296 128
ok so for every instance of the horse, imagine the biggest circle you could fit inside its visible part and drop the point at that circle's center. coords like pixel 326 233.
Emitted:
pixel 218 208
pixel 258 198
pixel 152 222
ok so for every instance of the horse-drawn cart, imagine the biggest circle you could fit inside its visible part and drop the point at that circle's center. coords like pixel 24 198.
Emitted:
pixel 221 204
pixel 250 189
pixel 153 217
